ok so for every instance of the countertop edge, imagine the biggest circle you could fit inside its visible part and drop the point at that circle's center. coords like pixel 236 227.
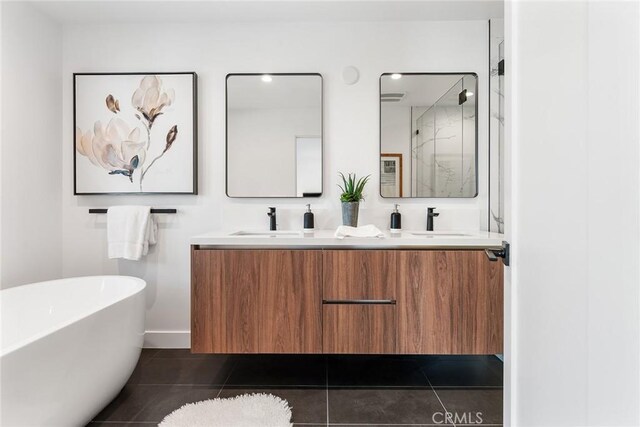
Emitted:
pixel 199 246
pixel 325 239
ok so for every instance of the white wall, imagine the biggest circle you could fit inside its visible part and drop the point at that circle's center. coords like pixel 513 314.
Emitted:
pixel 308 165
pixel 350 125
pixel 31 161
pixel 614 213
pixel 262 149
pixel 575 221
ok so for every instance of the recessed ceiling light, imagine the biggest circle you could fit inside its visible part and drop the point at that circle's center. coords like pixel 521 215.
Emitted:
pixel 396 76
pixel 469 93
pixel 266 78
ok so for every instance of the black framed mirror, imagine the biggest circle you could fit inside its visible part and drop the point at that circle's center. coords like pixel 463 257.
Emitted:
pixel 274 135
pixel 429 135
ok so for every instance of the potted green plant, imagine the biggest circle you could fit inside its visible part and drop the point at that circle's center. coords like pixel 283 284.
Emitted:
pixel 352 189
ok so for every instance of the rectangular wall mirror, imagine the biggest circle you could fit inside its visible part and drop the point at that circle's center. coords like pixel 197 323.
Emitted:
pixel 428 135
pixel 274 135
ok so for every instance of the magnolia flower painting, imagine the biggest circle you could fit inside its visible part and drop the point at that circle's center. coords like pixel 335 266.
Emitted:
pixel 135 133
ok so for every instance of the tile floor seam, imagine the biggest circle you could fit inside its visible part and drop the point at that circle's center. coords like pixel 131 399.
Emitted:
pixel 305 424
pixel 142 409
pixel 419 376
pixel 302 386
pixel 123 422
pixel 470 387
pixel 180 358
pixel 436 393
pixel 153 354
pixel 228 376
pixel 179 385
pixel 326 381
pixel 132 419
pixel 403 387
pixel 394 425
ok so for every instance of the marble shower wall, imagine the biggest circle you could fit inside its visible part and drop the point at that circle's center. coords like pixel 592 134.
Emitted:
pixel 443 152
pixel 496 126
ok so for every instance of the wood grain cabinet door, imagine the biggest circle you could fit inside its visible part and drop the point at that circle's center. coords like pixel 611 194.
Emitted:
pixel 359 328
pixel 359 293
pixel 359 275
pixel 449 302
pixel 256 301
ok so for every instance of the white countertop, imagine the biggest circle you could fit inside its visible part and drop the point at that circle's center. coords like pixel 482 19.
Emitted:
pixel 325 239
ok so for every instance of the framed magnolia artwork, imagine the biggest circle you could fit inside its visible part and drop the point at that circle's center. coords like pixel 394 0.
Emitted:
pixel 135 133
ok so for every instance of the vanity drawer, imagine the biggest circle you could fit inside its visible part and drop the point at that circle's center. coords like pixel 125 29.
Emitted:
pixel 359 275
pixel 358 328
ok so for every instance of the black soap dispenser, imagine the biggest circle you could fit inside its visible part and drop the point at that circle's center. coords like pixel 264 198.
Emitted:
pixel 396 221
pixel 308 225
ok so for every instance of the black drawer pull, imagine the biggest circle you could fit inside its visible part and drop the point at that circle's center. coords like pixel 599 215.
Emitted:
pixel 359 301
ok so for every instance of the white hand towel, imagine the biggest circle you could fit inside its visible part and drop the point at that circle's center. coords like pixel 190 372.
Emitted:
pixel 364 231
pixel 151 235
pixel 130 231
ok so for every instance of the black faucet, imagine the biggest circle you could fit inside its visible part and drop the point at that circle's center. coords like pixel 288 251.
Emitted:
pixel 430 215
pixel 272 219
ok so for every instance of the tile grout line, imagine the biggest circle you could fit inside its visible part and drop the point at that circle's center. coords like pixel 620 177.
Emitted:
pixel 154 354
pixel 145 406
pixel 298 386
pixel 408 425
pixel 235 363
pixel 326 383
pixel 314 386
pixel 436 393
pixel 132 420
pixel 384 424
pixel 158 355
pixel 134 386
pixel 122 422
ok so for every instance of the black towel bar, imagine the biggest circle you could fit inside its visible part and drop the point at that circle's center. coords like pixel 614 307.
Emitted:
pixel 153 211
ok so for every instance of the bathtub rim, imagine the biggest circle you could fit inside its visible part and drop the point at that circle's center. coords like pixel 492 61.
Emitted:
pixel 141 285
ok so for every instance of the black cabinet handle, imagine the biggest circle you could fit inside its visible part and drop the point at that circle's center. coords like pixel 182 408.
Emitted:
pixel 504 253
pixel 359 301
pixel 491 255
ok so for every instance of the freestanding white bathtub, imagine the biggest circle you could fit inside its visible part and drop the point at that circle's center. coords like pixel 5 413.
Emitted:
pixel 67 348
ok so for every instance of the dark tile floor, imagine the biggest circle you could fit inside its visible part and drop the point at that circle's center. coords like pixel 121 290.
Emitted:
pixel 322 390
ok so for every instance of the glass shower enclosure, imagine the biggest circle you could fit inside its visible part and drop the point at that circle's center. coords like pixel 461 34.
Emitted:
pixel 443 143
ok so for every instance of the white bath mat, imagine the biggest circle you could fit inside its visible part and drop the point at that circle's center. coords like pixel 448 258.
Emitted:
pixel 246 410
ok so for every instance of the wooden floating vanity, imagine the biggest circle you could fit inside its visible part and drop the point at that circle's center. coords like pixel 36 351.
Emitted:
pixel 355 296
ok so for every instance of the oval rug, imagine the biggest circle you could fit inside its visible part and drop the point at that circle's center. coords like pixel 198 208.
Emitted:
pixel 245 410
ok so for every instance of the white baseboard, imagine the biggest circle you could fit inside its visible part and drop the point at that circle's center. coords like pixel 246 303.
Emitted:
pixel 167 339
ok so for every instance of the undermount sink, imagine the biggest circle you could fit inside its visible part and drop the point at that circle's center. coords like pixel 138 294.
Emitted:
pixel 267 233
pixel 438 234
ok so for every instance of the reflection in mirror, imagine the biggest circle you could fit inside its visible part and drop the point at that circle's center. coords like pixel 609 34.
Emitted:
pixel 274 135
pixel 428 135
